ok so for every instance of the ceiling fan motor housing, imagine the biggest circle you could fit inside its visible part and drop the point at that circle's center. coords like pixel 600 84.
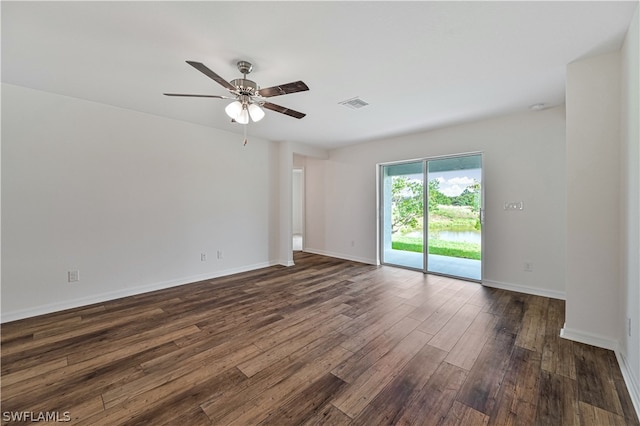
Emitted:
pixel 244 86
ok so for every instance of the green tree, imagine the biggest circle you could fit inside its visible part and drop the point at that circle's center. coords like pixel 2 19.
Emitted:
pixel 469 197
pixel 437 198
pixel 407 204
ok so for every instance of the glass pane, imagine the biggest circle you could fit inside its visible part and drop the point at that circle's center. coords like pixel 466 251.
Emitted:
pixel 454 229
pixel 403 215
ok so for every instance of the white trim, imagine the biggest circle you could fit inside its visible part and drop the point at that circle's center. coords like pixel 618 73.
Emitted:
pixel 287 263
pixel 340 256
pixel 589 338
pixel 633 386
pixel 104 297
pixel 553 294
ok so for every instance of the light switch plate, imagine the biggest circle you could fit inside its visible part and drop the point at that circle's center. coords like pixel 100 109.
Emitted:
pixel 514 205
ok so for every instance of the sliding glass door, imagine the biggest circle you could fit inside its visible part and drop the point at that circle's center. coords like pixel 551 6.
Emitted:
pixel 403 214
pixel 431 215
pixel 454 236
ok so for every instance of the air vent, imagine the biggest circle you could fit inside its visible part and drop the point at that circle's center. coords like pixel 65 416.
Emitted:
pixel 354 103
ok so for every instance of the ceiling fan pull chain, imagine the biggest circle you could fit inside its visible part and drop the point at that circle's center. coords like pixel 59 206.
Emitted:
pixel 245 135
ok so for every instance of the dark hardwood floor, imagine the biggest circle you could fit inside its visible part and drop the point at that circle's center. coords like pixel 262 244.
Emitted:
pixel 327 342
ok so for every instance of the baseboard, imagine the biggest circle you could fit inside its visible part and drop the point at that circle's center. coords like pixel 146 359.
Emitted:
pixel 341 256
pixel 589 338
pixel 553 294
pixel 633 386
pixel 104 297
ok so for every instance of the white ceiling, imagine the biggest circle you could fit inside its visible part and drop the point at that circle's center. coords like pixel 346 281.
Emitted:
pixel 420 65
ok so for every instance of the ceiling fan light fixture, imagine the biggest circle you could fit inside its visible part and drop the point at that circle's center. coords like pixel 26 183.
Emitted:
pixel 255 112
pixel 243 116
pixel 234 109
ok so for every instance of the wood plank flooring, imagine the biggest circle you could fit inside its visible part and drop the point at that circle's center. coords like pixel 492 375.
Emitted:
pixel 326 342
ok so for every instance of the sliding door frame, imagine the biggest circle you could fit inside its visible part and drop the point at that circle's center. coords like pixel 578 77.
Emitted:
pixel 425 218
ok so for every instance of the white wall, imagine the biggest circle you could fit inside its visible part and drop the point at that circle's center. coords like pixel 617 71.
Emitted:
pixel 129 199
pixel 593 199
pixel 630 221
pixel 603 196
pixel 524 158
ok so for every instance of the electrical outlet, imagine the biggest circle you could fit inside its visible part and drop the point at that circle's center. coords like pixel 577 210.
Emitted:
pixel 203 257
pixel 219 254
pixel 629 327
pixel 353 243
pixel 528 267
pixel 73 276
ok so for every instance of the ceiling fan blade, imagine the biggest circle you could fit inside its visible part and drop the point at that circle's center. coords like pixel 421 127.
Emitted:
pixel 197 96
pixel 212 75
pixel 283 89
pixel 283 110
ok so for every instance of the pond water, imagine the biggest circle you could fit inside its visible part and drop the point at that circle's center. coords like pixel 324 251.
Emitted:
pixel 458 236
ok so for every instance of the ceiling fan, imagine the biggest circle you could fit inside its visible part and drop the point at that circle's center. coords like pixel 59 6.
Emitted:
pixel 248 97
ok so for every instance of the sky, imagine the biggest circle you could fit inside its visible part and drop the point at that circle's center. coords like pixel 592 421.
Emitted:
pixel 454 182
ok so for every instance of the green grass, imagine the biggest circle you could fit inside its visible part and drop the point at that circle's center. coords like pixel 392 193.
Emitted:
pixel 441 247
pixel 450 218
pixel 453 218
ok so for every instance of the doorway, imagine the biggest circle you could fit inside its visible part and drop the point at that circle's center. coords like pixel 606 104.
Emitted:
pixel 297 214
pixel 431 215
